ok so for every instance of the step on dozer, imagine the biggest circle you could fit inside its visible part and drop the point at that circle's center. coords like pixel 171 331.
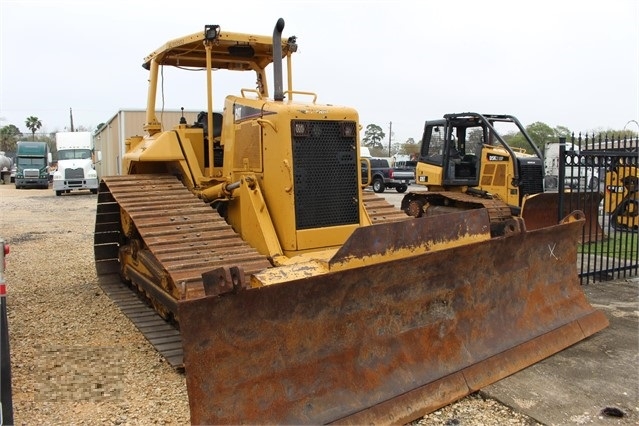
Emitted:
pixel 370 342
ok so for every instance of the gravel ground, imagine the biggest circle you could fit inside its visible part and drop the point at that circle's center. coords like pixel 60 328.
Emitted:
pixel 76 359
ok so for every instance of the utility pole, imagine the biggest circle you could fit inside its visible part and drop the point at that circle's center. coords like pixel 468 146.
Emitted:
pixel 390 132
pixel 71 115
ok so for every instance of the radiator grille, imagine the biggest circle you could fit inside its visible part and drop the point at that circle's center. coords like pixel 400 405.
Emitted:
pixel 325 172
pixel 74 173
pixel 532 178
pixel 31 173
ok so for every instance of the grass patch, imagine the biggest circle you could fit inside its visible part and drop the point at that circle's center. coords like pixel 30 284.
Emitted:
pixel 623 245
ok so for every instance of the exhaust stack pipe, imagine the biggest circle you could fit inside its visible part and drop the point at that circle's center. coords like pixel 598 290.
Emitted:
pixel 278 79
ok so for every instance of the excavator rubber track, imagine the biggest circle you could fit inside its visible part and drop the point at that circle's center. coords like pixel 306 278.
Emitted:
pixel 186 236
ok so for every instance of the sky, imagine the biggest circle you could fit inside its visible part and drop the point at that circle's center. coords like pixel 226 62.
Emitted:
pixel 565 63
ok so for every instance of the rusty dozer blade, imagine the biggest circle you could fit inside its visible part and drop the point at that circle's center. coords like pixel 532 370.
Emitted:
pixel 541 210
pixel 391 341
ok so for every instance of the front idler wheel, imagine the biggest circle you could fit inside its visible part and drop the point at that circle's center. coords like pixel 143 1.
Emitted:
pixel 415 208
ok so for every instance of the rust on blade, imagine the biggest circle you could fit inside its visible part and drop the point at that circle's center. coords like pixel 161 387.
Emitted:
pixel 541 210
pixel 408 237
pixel 385 342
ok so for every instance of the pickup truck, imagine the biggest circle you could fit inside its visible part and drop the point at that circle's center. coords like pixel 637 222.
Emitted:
pixel 384 176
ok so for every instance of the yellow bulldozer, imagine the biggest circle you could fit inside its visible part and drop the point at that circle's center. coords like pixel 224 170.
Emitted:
pixel 299 297
pixel 465 163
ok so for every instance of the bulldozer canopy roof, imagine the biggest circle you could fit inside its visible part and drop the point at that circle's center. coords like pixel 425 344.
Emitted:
pixel 232 51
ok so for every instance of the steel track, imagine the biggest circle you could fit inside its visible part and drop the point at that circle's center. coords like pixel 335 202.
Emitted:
pixel 182 238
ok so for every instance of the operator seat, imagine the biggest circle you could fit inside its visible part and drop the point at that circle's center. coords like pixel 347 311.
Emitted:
pixel 202 122
pixel 453 153
pixel 218 151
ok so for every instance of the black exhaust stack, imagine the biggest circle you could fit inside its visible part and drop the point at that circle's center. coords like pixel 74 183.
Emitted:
pixel 278 79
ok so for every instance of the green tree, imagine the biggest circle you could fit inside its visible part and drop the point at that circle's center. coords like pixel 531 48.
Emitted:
pixel 34 124
pixel 8 137
pixel 614 134
pixel 410 147
pixel 562 131
pixel 396 148
pixel 541 134
pixel 373 136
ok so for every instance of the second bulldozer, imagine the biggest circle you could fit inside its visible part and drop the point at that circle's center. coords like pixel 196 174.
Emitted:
pixel 299 296
pixel 465 163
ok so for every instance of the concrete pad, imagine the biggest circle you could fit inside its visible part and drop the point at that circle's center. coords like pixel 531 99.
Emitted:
pixel 575 385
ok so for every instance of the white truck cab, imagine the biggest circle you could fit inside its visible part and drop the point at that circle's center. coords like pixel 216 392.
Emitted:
pixel 76 166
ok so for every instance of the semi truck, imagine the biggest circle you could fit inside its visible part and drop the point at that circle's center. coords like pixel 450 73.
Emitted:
pixel 76 166
pixel 577 176
pixel 32 164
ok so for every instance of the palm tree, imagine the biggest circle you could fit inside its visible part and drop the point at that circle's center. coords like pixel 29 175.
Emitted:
pixel 33 124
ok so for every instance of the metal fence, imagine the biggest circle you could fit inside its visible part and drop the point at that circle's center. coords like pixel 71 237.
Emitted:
pixel 604 173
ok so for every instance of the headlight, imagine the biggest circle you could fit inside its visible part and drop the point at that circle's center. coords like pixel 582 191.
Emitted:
pixel 301 128
pixel 57 176
pixel 92 174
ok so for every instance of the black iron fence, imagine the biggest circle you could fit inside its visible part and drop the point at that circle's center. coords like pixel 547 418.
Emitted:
pixel 600 177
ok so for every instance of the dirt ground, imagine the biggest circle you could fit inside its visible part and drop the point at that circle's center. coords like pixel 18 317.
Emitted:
pixel 76 359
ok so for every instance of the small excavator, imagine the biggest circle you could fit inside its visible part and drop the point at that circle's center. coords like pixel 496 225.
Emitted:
pixel 300 298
